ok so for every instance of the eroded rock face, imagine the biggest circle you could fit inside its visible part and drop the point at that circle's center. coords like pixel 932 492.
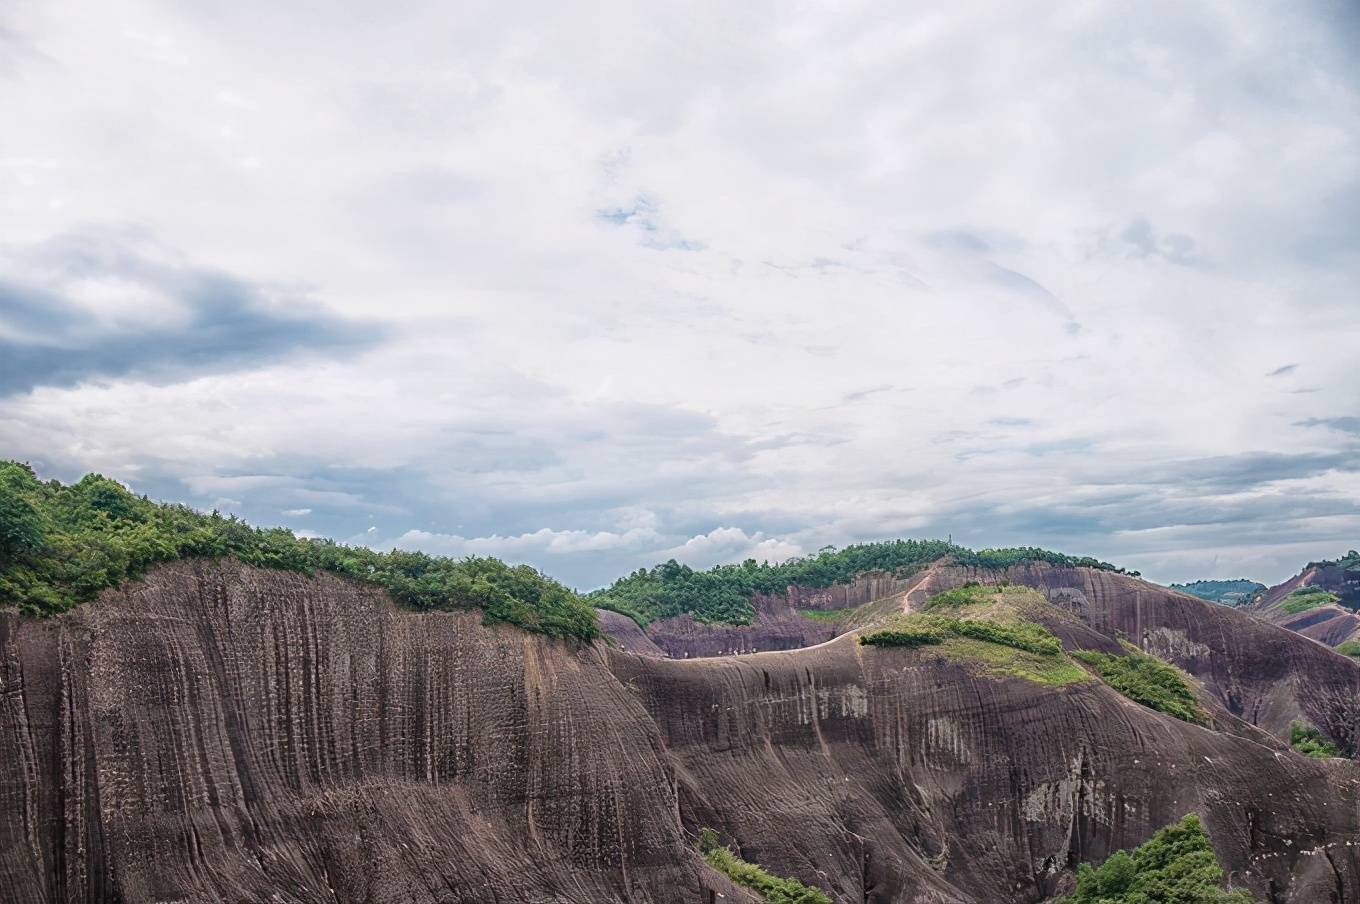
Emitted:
pixel 226 734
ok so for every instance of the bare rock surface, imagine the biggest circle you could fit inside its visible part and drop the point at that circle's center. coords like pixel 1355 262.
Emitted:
pixel 224 734
pixel 221 733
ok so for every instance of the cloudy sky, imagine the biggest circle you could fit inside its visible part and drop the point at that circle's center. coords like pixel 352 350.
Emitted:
pixel 595 285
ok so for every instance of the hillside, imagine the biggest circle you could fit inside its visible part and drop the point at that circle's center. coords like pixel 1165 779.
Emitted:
pixel 1237 592
pixel 1321 602
pixel 198 710
pixel 220 732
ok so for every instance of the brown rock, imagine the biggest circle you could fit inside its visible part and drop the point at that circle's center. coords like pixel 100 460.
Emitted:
pixel 220 733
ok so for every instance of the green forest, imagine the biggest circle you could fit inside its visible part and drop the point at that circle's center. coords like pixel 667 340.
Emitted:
pixel 1236 592
pixel 60 545
pixel 723 593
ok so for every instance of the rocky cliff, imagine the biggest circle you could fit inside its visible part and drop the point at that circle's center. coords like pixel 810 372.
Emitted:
pixel 219 733
pixel 1332 624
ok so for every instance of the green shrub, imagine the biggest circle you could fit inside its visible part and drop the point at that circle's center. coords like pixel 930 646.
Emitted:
pixel 966 595
pixel 1147 680
pixel 60 545
pixel 1308 741
pixel 1349 648
pixel 1175 866
pixel 915 631
pixel 1021 635
pixel 772 888
pixel 1306 598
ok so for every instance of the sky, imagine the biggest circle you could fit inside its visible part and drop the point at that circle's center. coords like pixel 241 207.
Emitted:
pixel 591 286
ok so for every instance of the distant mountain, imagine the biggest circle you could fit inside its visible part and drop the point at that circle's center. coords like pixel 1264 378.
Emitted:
pixel 1230 593
pixel 1320 602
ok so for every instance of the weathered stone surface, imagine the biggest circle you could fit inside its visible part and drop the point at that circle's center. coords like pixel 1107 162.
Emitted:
pixel 226 734
pixel 624 632
pixel 220 733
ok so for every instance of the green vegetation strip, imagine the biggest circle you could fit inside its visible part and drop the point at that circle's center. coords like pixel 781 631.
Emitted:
pixel 1306 598
pixel 1175 865
pixel 1147 680
pixel 825 615
pixel 774 889
pixel 60 545
pixel 1349 648
pixel 1012 647
pixel 1308 741
pixel 723 593
pixel 924 629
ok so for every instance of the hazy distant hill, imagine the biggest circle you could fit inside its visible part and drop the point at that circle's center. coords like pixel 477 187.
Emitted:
pixel 1230 593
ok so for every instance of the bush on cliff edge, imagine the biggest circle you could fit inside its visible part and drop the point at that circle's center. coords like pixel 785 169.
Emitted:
pixel 772 888
pixel 1175 866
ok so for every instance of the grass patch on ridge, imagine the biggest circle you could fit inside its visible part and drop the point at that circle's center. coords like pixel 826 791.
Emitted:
pixel 1306 598
pixel 825 615
pixel 991 628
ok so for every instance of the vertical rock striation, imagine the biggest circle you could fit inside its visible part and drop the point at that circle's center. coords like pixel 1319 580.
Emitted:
pixel 223 734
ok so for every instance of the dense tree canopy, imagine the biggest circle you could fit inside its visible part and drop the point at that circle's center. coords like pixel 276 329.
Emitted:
pixel 723 593
pixel 60 545
pixel 1175 866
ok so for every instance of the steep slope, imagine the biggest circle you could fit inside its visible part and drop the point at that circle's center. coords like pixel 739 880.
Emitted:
pixel 1320 602
pixel 1256 671
pixel 221 733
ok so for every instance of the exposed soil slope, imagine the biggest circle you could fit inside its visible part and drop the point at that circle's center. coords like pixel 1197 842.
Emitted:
pixel 220 733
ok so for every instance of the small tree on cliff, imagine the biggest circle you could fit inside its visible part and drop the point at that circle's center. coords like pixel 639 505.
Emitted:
pixel 1175 866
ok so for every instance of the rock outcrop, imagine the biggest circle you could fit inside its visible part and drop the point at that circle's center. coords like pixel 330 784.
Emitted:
pixel 220 733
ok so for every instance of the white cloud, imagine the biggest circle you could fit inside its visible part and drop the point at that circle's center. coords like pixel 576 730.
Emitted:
pixel 873 270
pixel 543 540
pixel 731 544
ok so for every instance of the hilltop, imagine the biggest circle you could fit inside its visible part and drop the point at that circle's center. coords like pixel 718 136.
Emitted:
pixel 1237 592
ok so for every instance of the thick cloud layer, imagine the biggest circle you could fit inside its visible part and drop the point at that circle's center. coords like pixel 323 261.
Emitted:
pixel 592 286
